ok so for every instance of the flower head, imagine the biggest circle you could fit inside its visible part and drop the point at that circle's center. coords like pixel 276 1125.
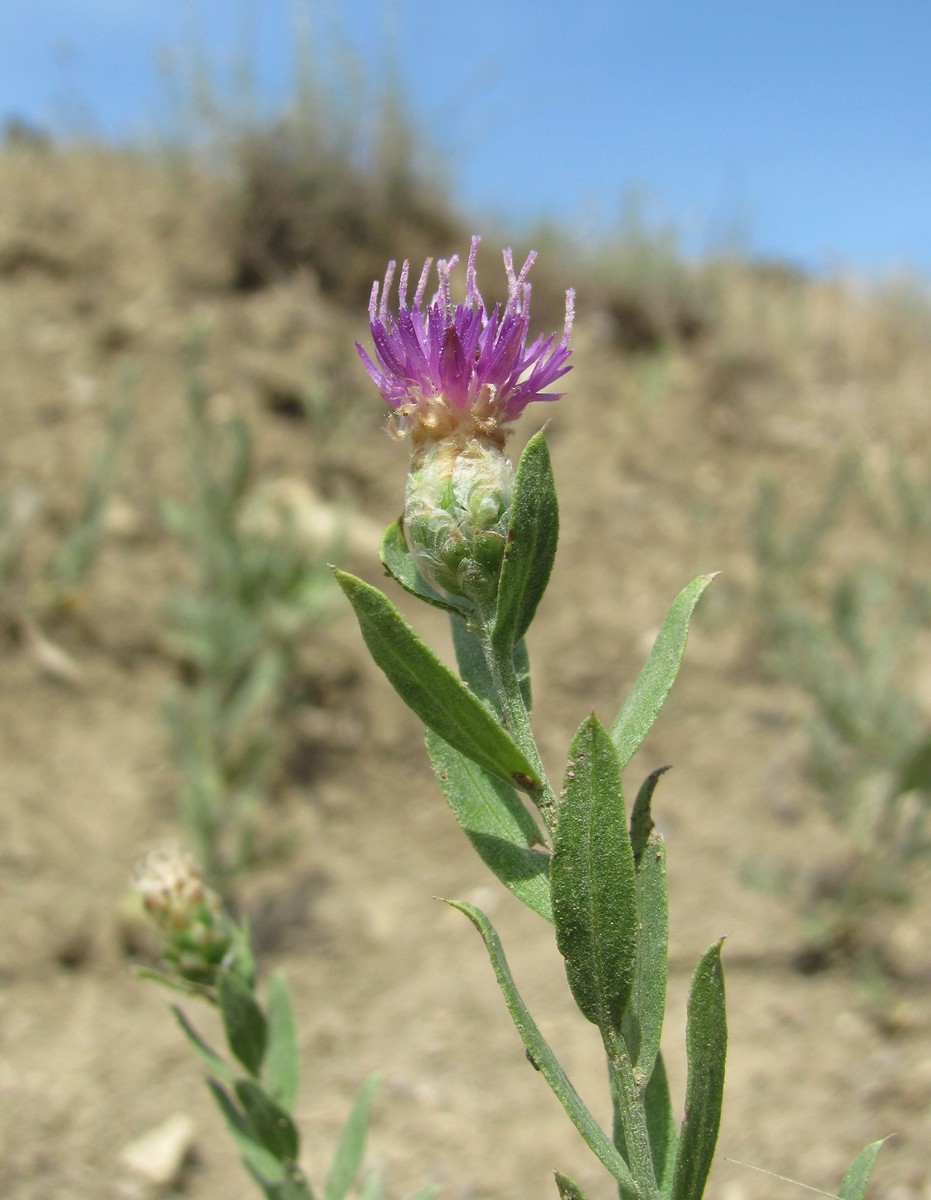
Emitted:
pixel 196 936
pixel 457 370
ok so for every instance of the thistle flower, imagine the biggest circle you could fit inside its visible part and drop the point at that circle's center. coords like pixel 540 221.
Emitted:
pixel 457 370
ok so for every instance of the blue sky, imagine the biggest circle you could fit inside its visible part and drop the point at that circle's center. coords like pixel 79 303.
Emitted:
pixel 802 125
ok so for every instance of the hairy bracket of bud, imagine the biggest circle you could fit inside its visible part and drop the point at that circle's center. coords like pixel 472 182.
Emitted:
pixel 456 515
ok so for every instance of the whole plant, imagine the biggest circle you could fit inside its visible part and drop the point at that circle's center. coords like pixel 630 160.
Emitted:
pixel 478 539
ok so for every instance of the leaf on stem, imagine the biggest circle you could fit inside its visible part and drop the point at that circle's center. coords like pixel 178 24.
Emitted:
pixel 649 693
pixel 430 689
pixel 213 1062
pixel 531 546
pixel 243 1021
pixel 568 1188
pixel 642 1023
pixel 281 1067
pixel 706 1050
pixel 261 1163
pixel 272 1126
pixel 593 882
pixel 350 1150
pixel 497 824
pixel 540 1054
pixel 641 817
pixel 859 1172
pixel 398 561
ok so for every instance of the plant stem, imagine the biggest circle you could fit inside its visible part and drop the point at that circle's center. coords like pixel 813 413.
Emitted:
pixel 516 719
pixel 630 1115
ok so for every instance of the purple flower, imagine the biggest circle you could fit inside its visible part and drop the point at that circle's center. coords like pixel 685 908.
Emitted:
pixel 449 370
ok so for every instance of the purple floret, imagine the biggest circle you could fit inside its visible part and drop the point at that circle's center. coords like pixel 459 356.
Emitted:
pixel 445 368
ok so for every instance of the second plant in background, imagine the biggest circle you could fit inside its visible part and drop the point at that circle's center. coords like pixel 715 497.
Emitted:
pixel 257 593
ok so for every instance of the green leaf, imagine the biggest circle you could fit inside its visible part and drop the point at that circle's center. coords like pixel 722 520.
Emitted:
pixel 642 706
pixel 859 1172
pixel 173 983
pixel 262 1164
pixel 295 1187
pixel 568 1188
pixel 282 1063
pixel 243 1020
pixel 593 880
pixel 531 546
pixel 496 823
pixel 400 565
pixel 642 1023
pixel 272 1126
pixel 350 1150
pixel 661 1126
pixel 540 1054
pixel 214 1063
pixel 641 817
pixel 430 689
pixel 706 1050
pixel 288 1189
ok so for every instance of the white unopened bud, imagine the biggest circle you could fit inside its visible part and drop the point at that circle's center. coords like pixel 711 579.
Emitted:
pixel 186 912
pixel 456 515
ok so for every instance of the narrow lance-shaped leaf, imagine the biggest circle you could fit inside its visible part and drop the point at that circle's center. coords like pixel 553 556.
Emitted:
pixel 281 1068
pixel 430 689
pixel 214 1063
pixel 649 693
pixel 398 561
pixel 265 1167
pixel 642 1025
pixel 531 546
pixel 497 824
pixel 568 1189
pixel 859 1172
pixel 243 1021
pixel 592 880
pixel 542 1057
pixel 347 1160
pixel 706 1050
pixel 272 1126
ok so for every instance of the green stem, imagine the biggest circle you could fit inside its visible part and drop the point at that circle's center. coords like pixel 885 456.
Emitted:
pixel 516 719
pixel 630 1115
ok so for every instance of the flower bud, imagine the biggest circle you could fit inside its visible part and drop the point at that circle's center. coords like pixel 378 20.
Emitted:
pixel 186 912
pixel 456 515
